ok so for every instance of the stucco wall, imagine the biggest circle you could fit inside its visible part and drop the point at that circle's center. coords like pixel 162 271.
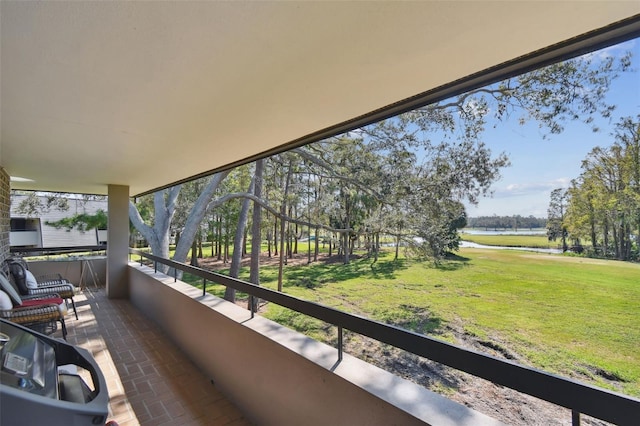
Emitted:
pixel 278 376
pixel 71 269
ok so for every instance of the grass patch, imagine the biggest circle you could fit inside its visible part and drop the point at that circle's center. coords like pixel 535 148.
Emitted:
pixel 573 316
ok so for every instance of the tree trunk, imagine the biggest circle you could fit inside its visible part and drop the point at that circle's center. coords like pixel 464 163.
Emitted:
pixel 194 252
pixel 219 238
pixel 289 245
pixel 275 235
pixel 236 260
pixel 283 210
pixel 629 242
pixel 616 244
pixel 256 240
pixel 211 231
pixel 196 215
pixel 244 242
pixel 594 238
pixel 225 257
pixel 295 237
pixel 376 245
pixel 345 247
pixel 605 239
pixel 158 236
pixel 309 246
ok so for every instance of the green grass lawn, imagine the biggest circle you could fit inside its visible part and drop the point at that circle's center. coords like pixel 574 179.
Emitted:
pixel 573 316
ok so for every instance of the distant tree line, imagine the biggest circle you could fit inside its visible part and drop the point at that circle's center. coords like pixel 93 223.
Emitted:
pixel 515 222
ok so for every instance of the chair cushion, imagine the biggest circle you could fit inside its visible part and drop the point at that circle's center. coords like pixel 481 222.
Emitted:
pixel 30 279
pixel 18 273
pixel 38 302
pixel 63 309
pixel 6 286
pixel 5 302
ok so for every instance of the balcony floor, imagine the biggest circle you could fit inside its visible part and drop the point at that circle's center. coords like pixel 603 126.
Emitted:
pixel 150 381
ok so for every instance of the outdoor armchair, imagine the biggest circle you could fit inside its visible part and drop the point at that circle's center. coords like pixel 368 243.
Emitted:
pixel 28 285
pixel 40 313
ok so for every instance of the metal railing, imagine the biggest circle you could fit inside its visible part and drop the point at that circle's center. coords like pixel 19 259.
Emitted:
pixel 54 251
pixel 580 398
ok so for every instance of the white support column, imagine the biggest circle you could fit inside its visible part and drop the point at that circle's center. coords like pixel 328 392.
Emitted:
pixel 118 242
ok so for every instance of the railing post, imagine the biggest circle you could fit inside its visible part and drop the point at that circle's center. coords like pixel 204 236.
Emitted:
pixel 575 418
pixel 339 343
pixel 204 287
pixel 253 305
pixel 175 275
pixel 155 266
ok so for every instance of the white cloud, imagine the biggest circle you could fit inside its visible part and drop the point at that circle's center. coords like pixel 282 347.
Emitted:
pixel 516 189
pixel 531 198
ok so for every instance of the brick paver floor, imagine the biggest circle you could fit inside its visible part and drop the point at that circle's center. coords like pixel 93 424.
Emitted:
pixel 150 381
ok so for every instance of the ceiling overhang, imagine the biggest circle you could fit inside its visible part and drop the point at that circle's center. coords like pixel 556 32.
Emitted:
pixel 145 94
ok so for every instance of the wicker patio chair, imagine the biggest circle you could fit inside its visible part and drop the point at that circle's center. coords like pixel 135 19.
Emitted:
pixel 40 313
pixel 45 284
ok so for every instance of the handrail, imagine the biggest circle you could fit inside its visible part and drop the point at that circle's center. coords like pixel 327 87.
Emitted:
pixel 579 397
pixel 58 250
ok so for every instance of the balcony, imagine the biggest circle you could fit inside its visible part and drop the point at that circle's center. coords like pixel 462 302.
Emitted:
pixel 173 354
pixel 150 381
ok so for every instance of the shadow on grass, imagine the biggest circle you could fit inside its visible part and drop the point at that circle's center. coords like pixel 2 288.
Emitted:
pixel 319 274
pixel 421 320
pixel 418 319
pixel 451 262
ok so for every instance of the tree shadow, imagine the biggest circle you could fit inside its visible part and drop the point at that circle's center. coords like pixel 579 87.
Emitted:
pixel 452 262
pixel 456 257
pixel 333 269
pixel 387 268
pixel 319 274
pixel 417 319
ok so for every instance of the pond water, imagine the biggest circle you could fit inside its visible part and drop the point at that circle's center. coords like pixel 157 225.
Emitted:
pixel 537 250
pixel 476 231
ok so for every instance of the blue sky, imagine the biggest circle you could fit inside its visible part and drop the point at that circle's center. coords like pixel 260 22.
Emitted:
pixel 540 165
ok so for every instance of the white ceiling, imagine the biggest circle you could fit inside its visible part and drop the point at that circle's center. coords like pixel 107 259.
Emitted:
pixel 148 93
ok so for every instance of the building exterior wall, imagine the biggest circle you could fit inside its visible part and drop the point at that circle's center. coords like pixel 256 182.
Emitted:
pixel 52 237
pixel 5 207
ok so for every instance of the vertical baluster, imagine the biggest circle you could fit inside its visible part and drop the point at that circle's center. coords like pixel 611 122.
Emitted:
pixel 575 418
